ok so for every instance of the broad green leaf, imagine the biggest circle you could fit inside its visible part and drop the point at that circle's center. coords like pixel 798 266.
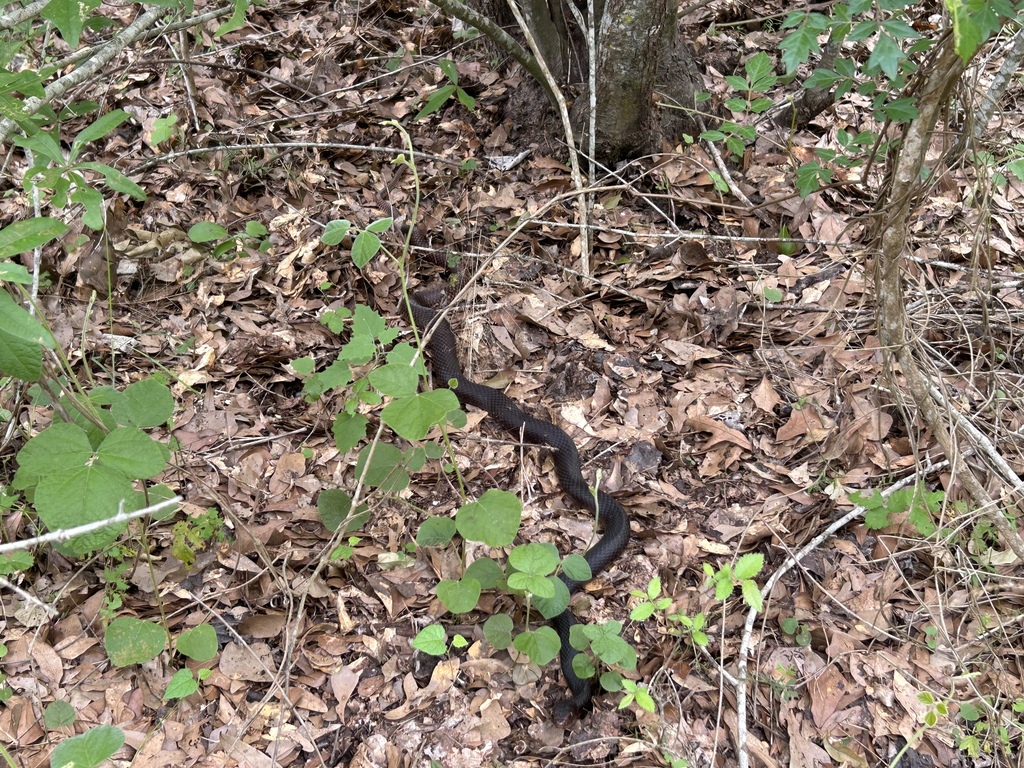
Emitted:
pixel 885 55
pixel 412 417
pixel 69 16
pixel 577 568
pixel 436 532
pixel 396 380
pixel 199 643
pixel 535 558
pixel 146 403
pixel 486 571
pixel 494 519
pixel 386 469
pixel 58 714
pixel 431 640
pixel 182 684
pixel 92 200
pixel 206 232
pixel 98 129
pixel 22 236
pixel 435 101
pixel 498 631
pixel 752 595
pixel 163 129
pixel 550 607
pixel 16 561
pixel 365 247
pixel 21 341
pixel 90 749
pixel 133 641
pixel 132 452
pixel 335 508
pixel 335 232
pixel 537 585
pixel 541 645
pixel 84 495
pixel 116 180
pixel 748 566
pixel 237 20
pixel 459 596
pixel 58 448
pixel 349 430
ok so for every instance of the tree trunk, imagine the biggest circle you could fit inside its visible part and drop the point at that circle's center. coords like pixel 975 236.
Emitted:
pixel 633 37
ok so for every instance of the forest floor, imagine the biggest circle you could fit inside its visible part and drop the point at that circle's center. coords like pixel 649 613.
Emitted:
pixel 729 388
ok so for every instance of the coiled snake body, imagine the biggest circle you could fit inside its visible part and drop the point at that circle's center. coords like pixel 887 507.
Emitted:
pixel 500 407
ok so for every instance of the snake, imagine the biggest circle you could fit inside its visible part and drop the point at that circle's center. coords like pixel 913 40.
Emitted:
pixel 442 352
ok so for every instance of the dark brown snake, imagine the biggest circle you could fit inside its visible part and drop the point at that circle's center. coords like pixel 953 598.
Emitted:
pixel 442 347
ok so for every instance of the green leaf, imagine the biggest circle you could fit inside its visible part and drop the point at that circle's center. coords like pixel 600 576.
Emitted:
pixel 448 67
pixel 748 566
pixel 335 232
pixel 59 447
pixel 798 46
pixel 88 750
pixel 465 99
pixel 498 631
pixel 886 56
pixel 335 508
pixel 386 468
pixel 23 236
pixel 58 714
pixel 365 247
pixel 550 607
pixel 98 128
pixel 133 453
pixel 431 640
pixel 116 180
pixel 132 641
pixel 198 643
pixel 163 129
pixel 435 532
pixel 577 568
pixel 380 225
pixel 485 571
pixel 540 586
pixel 435 101
pixel 16 561
pixel 92 200
pixel 146 403
pixel 494 519
pixel 396 380
pixel 349 430
pixel 182 684
pixel 541 645
pixel 459 596
pixel 206 232
pixel 21 340
pixel 68 16
pixel 237 20
pixel 84 495
pixel 751 594
pixel 412 417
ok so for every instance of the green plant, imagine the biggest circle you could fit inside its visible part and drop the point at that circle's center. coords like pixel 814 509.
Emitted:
pixel 921 505
pixel 796 631
pixel 758 78
pixel 5 689
pixel 253 236
pixel 741 575
pixel 896 52
pixel 438 98
pixel 783 683
pixel 193 534
pixel 65 176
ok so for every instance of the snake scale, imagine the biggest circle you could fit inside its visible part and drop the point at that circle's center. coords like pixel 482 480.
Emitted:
pixel 442 348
